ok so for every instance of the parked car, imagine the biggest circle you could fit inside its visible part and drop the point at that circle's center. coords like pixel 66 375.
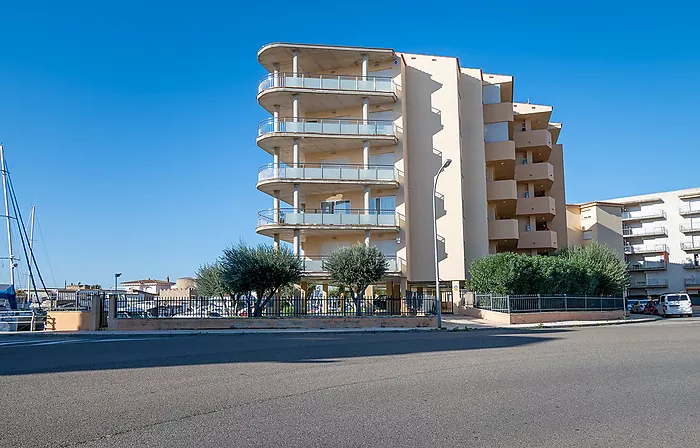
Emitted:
pixel 674 305
pixel 650 307
pixel 638 306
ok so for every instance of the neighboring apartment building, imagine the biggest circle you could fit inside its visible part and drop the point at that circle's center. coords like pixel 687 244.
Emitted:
pixel 659 234
pixel 149 285
pixel 357 136
pixel 595 221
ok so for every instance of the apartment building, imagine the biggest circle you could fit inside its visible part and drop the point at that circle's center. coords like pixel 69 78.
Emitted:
pixel 659 234
pixel 357 136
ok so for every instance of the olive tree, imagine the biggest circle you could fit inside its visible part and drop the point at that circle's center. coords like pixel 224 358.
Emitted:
pixel 262 270
pixel 356 267
pixel 606 269
pixel 210 282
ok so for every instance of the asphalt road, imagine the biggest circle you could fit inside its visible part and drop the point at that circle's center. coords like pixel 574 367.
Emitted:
pixel 629 385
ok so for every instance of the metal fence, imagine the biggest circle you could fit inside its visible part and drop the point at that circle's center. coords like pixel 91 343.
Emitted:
pixel 546 303
pixel 23 320
pixel 212 308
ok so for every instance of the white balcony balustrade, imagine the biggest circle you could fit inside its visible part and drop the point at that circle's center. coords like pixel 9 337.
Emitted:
pixel 330 172
pixel 314 81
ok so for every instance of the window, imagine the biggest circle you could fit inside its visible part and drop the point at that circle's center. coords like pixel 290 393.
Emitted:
pixel 383 206
pixel 496 132
pixel 588 235
pixel 335 207
pixel 491 93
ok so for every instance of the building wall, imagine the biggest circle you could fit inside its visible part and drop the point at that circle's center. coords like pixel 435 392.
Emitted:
pixel 475 228
pixel 574 231
pixel 559 194
pixel 433 128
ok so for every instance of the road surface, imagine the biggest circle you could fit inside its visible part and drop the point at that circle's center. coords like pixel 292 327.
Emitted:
pixel 628 385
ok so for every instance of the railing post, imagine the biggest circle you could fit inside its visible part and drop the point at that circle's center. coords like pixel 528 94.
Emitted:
pixel 539 303
pixel 508 303
pixel 566 303
pixel 491 295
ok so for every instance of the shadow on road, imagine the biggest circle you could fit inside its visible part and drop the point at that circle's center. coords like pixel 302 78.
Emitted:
pixel 85 354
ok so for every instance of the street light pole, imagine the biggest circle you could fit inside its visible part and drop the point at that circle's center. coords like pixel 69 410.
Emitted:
pixel 116 276
pixel 437 267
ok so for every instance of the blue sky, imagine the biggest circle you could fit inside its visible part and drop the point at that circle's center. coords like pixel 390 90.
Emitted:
pixel 132 125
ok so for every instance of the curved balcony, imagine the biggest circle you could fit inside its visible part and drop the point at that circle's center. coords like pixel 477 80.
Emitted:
pixel 688 210
pixel 321 92
pixel 640 232
pixel 324 134
pixel 314 265
pixel 643 215
pixel 318 178
pixel 273 221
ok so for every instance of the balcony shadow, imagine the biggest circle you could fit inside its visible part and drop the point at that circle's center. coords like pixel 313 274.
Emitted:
pixel 88 353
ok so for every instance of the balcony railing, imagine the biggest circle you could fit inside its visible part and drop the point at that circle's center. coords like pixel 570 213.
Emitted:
pixel 690 264
pixel 345 217
pixel 649 283
pixel 315 264
pixel 645 214
pixel 691 281
pixel 647 266
pixel 326 82
pixel 328 171
pixel 646 249
pixel 687 211
pixel 335 126
pixel 692 245
pixel 688 228
pixel 644 232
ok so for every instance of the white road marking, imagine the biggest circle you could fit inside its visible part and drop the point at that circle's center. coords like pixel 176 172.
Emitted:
pixel 40 342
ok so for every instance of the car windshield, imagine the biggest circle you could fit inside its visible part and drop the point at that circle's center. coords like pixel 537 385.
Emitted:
pixel 677 298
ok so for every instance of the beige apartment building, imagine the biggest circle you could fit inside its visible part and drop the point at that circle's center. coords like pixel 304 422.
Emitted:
pixel 658 234
pixel 356 137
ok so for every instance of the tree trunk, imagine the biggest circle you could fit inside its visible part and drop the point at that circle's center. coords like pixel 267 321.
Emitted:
pixel 357 298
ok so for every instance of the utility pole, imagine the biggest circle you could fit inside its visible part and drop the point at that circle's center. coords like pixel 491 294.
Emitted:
pixel 7 215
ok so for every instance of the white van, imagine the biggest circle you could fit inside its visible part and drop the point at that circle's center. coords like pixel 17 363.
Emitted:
pixel 675 305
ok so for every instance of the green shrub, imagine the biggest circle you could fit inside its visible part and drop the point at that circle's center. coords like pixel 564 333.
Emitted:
pixel 589 270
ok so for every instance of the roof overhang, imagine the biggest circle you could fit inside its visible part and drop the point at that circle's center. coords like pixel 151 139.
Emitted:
pixel 319 58
pixel 537 113
pixel 506 83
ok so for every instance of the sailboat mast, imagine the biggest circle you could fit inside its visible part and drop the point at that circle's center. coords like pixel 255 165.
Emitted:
pixel 7 215
pixel 31 248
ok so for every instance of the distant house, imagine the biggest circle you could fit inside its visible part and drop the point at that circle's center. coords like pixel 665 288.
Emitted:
pixel 150 286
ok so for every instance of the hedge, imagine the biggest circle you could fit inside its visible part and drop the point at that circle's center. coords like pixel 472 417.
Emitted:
pixel 591 270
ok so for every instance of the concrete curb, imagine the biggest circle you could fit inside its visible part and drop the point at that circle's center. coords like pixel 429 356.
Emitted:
pixel 222 332
pixel 575 324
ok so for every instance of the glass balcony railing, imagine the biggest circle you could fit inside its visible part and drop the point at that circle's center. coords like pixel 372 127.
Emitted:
pixel 345 126
pixel 688 228
pixel 649 283
pixel 644 214
pixel 687 210
pixel 630 232
pixel 344 217
pixel 641 249
pixel 327 82
pixel 315 264
pixel 691 245
pixel 328 171
pixel 647 266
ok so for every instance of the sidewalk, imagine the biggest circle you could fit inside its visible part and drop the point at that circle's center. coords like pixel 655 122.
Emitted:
pixel 473 323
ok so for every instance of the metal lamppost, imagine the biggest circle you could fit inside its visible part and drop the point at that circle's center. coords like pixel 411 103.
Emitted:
pixel 437 268
pixel 116 276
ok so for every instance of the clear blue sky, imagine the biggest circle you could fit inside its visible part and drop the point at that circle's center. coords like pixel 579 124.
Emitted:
pixel 132 124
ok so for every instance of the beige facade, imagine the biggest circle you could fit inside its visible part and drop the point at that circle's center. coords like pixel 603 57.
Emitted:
pixel 595 221
pixel 357 136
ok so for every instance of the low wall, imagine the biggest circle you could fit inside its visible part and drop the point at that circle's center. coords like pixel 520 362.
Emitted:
pixel 70 321
pixel 560 316
pixel 263 323
pixel 536 318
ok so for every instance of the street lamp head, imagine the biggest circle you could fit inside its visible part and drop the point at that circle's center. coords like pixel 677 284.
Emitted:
pixel 446 164
pixel 117 275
